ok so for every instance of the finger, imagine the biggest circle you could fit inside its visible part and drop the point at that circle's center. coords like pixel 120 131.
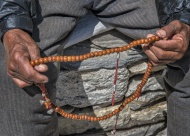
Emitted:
pixel 169 30
pixel 35 76
pixel 163 55
pixel 26 71
pixel 149 35
pixel 155 59
pixel 20 83
pixel 41 68
pixel 175 45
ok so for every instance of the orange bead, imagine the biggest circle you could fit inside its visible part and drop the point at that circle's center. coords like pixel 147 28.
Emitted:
pixel 69 58
pixel 45 60
pixel 85 56
pixel 73 58
pixel 112 50
pixel 116 49
pixel 100 53
pixel 41 60
pixel 96 53
pixel 88 55
pixel 53 58
pixel 108 51
pixel 32 63
pixel 77 58
pixel 58 58
pixel 121 49
pixel 57 109
pixel 134 42
pixel 138 42
pixel 145 40
pixel 81 57
pixel 104 52
pixel 142 41
pixel 65 58
pixel 157 38
pixel 36 62
pixel 85 117
pixel 92 54
pixel 49 59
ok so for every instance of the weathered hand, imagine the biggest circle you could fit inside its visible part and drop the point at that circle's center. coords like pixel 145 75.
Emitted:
pixel 20 49
pixel 175 40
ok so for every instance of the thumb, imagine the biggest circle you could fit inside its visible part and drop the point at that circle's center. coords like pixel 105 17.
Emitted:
pixel 169 30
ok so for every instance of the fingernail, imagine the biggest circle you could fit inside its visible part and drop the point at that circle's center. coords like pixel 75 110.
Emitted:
pixel 45 81
pixel 41 66
pixel 161 33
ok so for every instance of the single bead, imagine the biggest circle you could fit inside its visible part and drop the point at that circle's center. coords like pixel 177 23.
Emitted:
pixel 134 42
pixel 139 42
pixel 81 57
pixel 145 40
pixel 121 49
pixel 41 60
pixel 101 118
pixel 75 116
pixel 53 58
pixel 92 54
pixel 57 109
pixel 153 38
pixel 49 59
pixel 89 118
pixel 125 48
pixel 104 117
pixel 77 58
pixel 157 38
pixel 86 117
pixel 73 58
pixel 96 53
pixel 116 49
pixel 100 53
pixel 85 56
pixel 69 58
pixel 124 104
pixel 58 58
pixel 67 115
pixel 36 62
pixel 112 50
pixel 142 41
pixel 130 45
pixel 32 63
pixel 88 55
pixel 45 60
pixel 121 107
pixel 65 58
pixel 82 117
pixel 104 52
pixel 108 51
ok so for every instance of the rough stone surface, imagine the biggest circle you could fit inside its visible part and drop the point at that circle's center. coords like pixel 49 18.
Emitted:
pixel 86 88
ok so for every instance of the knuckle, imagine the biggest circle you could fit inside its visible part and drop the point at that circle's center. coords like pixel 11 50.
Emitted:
pixel 155 60
pixel 160 55
pixel 16 56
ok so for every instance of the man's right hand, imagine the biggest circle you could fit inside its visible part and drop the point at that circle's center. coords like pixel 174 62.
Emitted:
pixel 20 49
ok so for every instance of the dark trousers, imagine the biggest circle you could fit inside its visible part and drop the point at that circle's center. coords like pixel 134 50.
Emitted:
pixel 21 113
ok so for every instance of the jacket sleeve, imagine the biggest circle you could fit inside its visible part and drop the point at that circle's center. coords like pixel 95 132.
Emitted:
pixel 16 14
pixel 169 10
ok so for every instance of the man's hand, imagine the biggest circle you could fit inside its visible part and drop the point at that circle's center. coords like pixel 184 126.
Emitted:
pixel 175 40
pixel 20 49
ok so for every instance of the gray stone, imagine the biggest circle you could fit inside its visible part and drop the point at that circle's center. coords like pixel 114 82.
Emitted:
pixel 82 89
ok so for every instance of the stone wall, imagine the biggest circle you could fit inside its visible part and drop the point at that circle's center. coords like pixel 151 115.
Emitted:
pixel 86 88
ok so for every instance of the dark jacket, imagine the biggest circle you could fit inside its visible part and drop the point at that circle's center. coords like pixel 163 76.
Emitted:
pixel 169 10
pixel 19 13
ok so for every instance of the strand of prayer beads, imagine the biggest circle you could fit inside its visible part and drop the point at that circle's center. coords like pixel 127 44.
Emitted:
pixel 54 108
